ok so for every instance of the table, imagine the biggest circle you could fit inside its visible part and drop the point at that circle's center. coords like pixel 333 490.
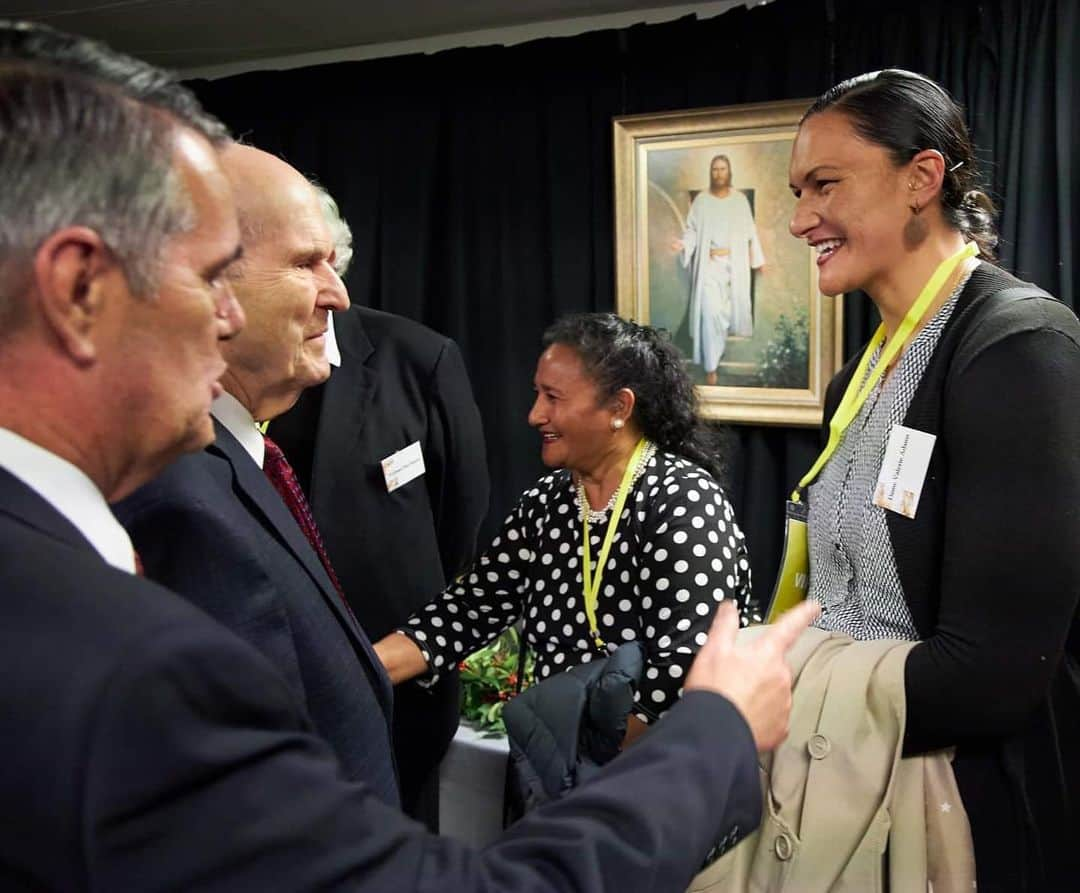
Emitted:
pixel 471 780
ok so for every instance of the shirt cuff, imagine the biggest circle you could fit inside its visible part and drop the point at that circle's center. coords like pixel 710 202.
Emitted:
pixel 430 677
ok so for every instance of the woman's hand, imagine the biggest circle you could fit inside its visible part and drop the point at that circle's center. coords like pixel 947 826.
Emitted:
pixel 401 657
pixel 635 728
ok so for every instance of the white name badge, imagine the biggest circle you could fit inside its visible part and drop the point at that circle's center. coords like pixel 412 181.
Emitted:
pixel 903 470
pixel 403 466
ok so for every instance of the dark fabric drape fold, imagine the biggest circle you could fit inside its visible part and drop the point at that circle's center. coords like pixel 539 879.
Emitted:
pixel 479 182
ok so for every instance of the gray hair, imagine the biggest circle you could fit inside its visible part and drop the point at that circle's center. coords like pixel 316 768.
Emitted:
pixel 138 80
pixel 87 139
pixel 339 229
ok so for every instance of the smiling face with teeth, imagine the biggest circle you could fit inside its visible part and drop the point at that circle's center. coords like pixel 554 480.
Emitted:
pixel 574 423
pixel 852 202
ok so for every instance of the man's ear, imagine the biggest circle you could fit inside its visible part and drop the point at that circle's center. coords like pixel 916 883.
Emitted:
pixel 71 271
pixel 926 172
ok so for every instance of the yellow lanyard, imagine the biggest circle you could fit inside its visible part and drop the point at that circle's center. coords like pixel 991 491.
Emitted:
pixel 855 396
pixel 592 584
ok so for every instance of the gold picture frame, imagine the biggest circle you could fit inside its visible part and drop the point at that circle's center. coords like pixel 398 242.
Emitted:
pixel 754 310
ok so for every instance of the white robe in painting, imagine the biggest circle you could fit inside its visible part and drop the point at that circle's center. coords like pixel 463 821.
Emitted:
pixel 719 282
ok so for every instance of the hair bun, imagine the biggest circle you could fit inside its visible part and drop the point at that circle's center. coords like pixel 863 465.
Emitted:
pixel 979 211
pixel 978 201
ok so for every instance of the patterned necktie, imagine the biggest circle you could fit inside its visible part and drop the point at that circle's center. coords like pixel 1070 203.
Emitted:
pixel 281 475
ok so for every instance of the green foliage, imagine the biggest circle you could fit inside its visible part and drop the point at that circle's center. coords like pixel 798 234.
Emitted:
pixel 785 360
pixel 489 680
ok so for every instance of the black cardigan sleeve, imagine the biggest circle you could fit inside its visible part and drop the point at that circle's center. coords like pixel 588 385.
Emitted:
pixel 1010 568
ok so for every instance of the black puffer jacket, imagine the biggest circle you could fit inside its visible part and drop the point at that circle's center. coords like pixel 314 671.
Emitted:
pixel 568 726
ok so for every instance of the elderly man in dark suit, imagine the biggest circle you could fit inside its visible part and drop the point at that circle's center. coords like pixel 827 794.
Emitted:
pixel 219 526
pixel 144 746
pixel 394 543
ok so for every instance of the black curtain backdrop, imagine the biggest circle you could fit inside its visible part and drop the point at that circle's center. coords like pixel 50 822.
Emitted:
pixel 479 182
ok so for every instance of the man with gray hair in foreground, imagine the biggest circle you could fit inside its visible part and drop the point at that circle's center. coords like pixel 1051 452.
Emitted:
pixel 144 747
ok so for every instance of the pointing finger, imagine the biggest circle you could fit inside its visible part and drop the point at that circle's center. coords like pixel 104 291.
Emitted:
pixel 782 634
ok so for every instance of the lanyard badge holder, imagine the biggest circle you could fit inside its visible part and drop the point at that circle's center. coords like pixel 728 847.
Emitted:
pixel 794 577
pixel 591 579
pixel 793 581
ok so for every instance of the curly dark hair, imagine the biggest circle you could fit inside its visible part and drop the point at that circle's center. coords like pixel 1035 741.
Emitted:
pixel 617 353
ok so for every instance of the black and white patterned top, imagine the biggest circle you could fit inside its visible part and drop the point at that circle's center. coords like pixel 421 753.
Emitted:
pixel 852 565
pixel 677 552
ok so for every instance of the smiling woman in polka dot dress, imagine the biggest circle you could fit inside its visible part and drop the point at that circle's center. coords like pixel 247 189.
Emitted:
pixel 615 411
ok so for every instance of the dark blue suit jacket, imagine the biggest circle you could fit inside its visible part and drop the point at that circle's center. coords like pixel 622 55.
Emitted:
pixel 144 747
pixel 399 383
pixel 213 529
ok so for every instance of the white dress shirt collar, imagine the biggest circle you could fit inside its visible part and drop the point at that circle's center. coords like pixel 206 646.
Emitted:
pixel 333 352
pixel 68 490
pixel 240 424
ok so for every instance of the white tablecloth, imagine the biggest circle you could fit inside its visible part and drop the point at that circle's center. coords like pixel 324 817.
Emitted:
pixel 471 781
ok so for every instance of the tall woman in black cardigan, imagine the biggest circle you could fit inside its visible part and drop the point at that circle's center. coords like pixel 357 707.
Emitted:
pixel 986 574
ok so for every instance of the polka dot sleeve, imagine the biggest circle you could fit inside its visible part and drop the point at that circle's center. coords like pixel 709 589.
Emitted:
pixel 474 611
pixel 695 558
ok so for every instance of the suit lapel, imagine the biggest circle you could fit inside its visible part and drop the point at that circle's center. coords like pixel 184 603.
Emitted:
pixel 267 506
pixel 347 397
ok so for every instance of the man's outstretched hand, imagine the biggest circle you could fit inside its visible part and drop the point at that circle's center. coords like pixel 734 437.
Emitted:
pixel 752 675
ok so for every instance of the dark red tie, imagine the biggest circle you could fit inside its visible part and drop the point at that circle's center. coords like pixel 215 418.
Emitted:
pixel 282 476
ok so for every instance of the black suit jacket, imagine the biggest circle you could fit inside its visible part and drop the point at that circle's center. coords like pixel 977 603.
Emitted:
pixel 213 529
pixel 147 748
pixel 399 383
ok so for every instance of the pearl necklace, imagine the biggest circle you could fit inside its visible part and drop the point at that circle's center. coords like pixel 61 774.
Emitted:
pixel 599 516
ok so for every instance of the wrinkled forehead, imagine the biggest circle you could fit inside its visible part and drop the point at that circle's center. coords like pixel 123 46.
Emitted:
pixel 305 223
pixel 293 221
